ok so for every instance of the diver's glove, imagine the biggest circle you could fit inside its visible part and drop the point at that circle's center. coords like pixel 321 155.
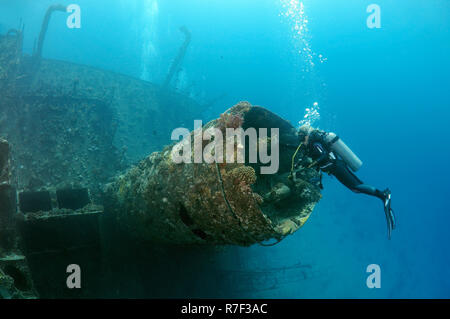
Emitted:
pixel 390 217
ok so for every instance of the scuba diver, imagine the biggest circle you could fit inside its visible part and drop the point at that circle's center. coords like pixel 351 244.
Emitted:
pixel 330 155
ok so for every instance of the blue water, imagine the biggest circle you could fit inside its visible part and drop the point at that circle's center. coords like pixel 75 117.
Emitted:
pixel 385 91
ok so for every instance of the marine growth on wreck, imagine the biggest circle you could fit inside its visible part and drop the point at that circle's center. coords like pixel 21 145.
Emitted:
pixel 216 203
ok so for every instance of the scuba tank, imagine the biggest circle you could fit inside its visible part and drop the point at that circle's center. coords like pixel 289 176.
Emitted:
pixel 340 148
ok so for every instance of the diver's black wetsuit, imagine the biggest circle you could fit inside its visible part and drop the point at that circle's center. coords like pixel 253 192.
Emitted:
pixel 330 163
pixel 327 161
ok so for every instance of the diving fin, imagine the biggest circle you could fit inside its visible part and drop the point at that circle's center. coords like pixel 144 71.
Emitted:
pixel 390 217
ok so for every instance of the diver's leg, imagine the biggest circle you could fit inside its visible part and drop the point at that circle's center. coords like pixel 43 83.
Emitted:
pixel 345 176
pixel 351 181
pixel 369 190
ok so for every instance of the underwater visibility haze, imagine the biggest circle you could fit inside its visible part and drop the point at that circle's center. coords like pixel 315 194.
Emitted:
pixel 92 91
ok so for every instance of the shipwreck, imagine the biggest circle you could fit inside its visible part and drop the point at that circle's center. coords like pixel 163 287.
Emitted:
pixel 69 182
pixel 216 203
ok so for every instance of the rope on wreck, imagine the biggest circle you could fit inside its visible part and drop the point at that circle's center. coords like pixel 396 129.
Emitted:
pixel 219 175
